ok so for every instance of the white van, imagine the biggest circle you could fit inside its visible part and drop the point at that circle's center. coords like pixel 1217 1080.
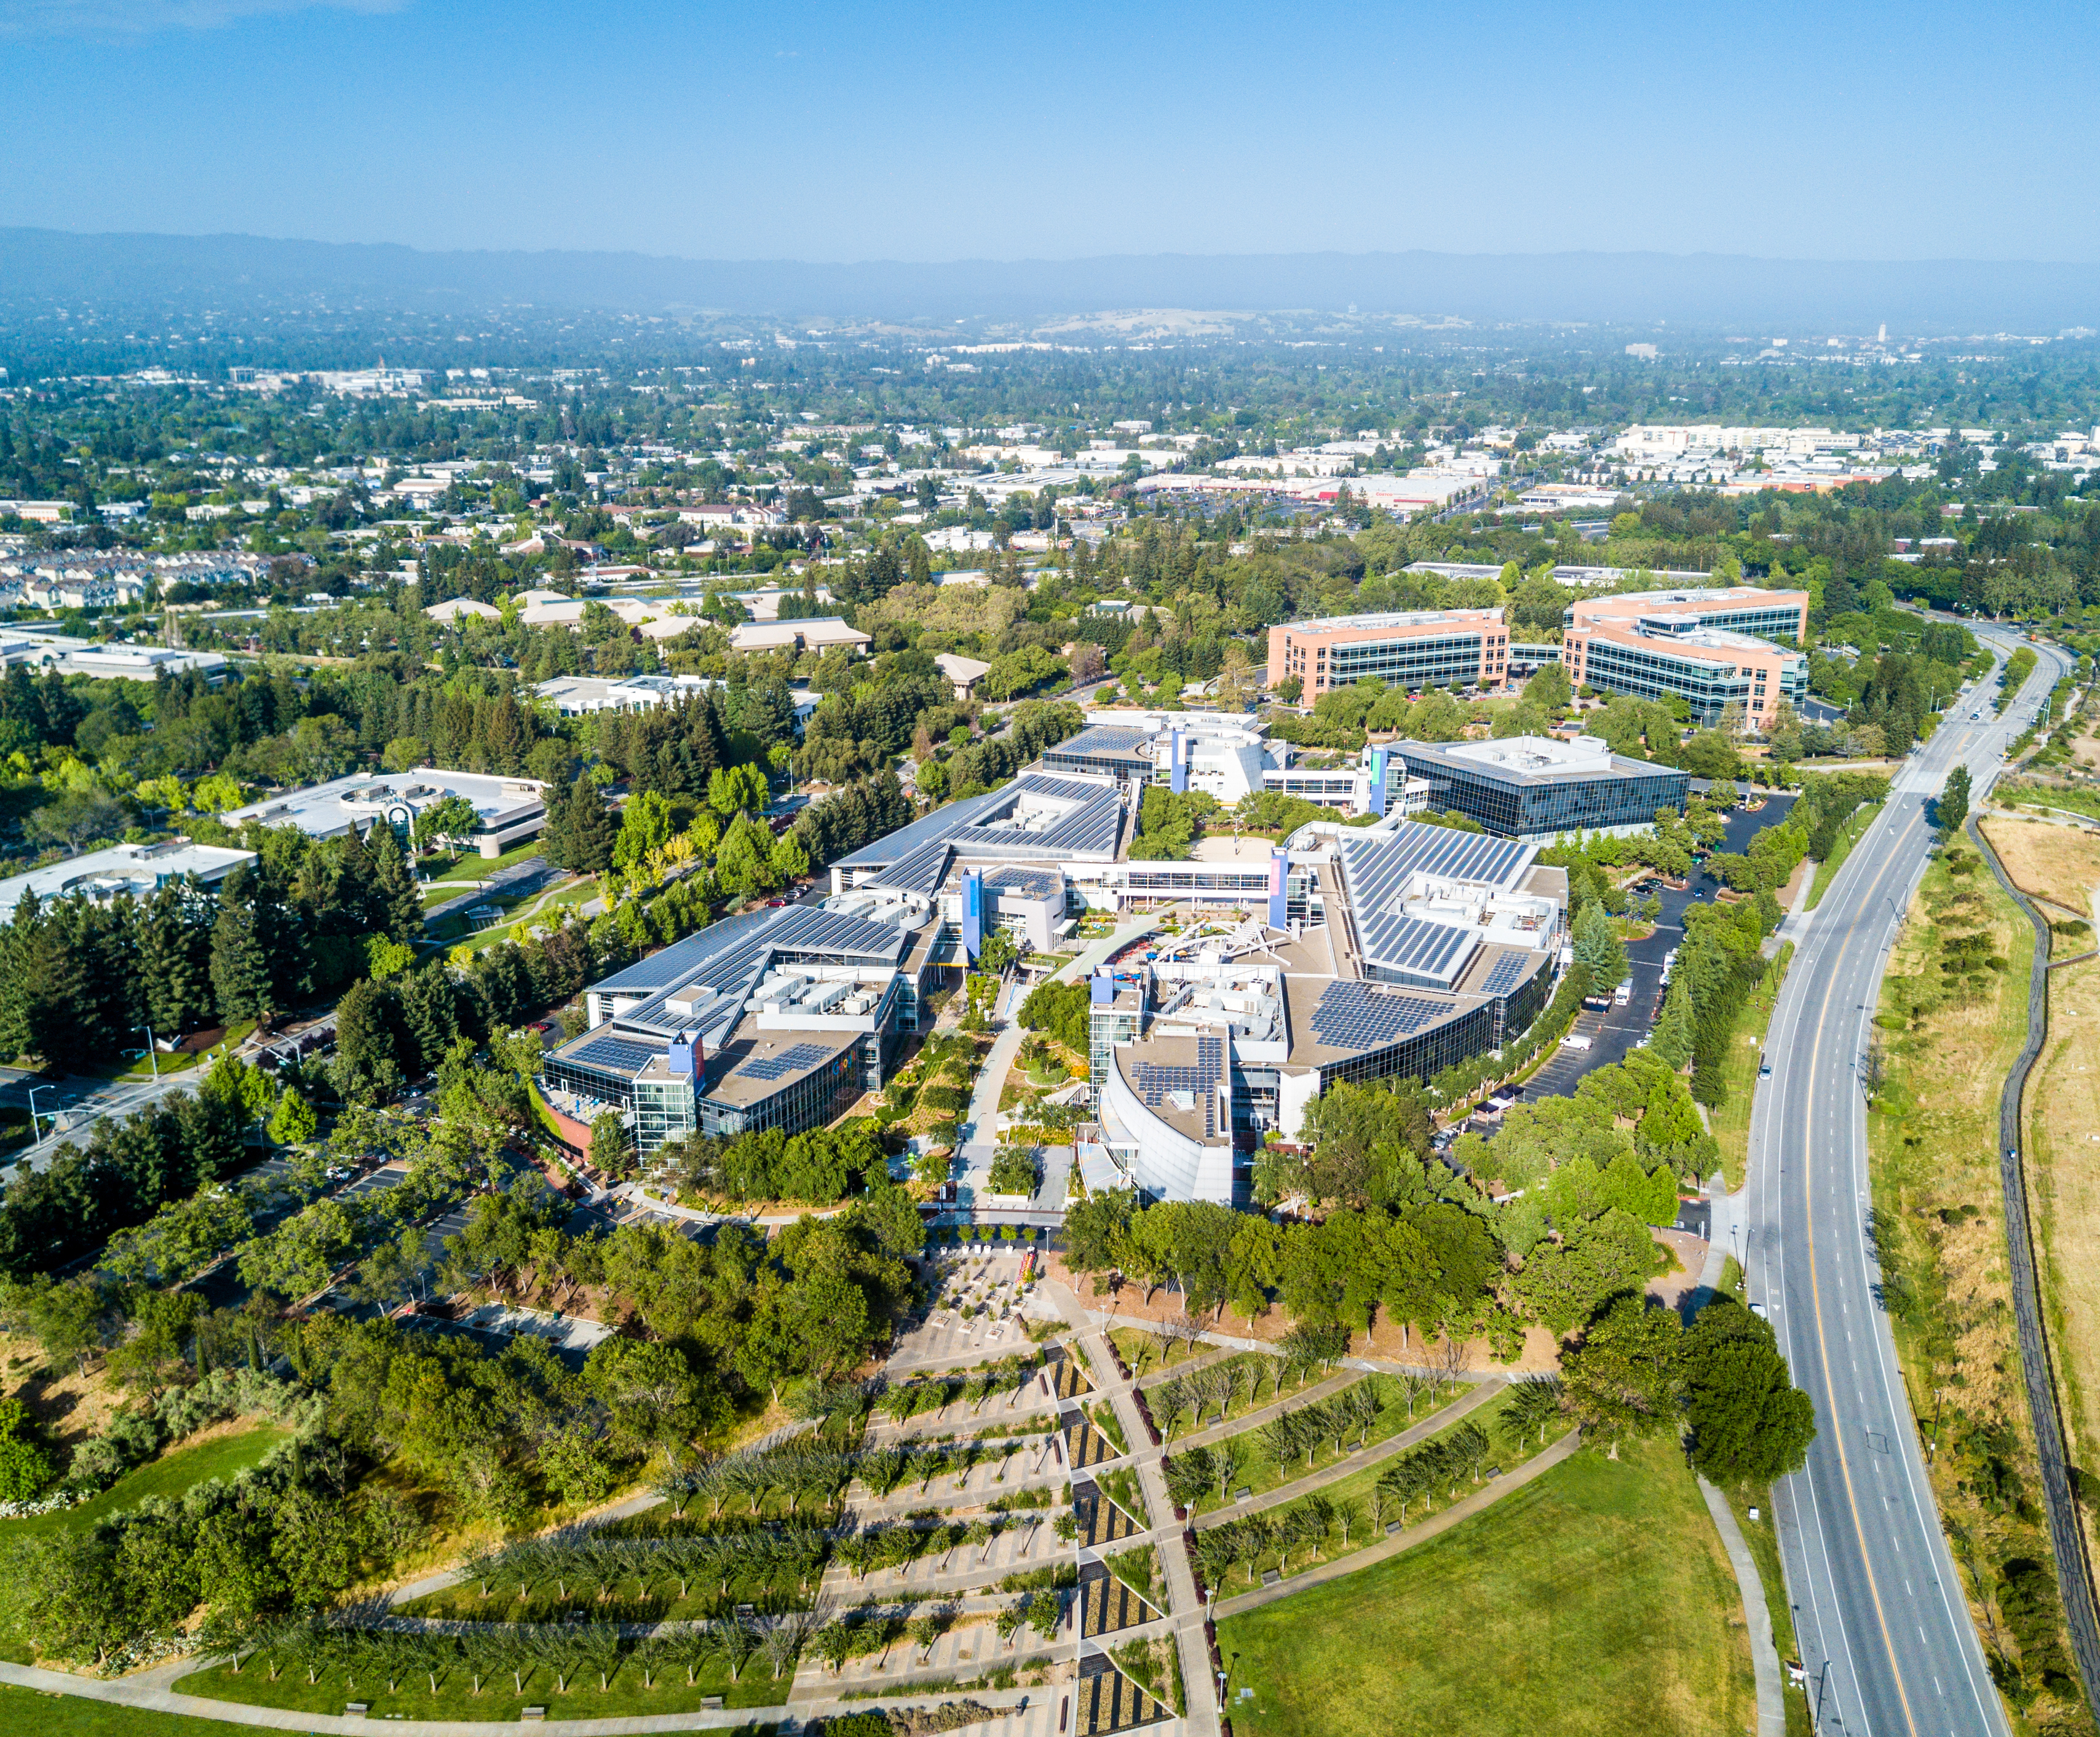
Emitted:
pixel 1573 1041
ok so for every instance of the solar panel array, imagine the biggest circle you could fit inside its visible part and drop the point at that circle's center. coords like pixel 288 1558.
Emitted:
pixel 1438 951
pixel 1354 1015
pixel 1095 824
pixel 788 1061
pixel 617 1055
pixel 1155 1081
pixel 1377 869
pixel 919 871
pixel 1104 739
pixel 1508 970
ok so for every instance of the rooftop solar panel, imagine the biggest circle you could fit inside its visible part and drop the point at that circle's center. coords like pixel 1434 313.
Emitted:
pixel 1355 1015
pixel 791 1060
pixel 1508 970
pixel 615 1055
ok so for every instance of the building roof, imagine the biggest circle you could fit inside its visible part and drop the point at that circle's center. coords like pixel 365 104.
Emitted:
pixel 779 635
pixel 1038 817
pixel 135 869
pixel 961 671
pixel 453 608
pixel 1397 617
pixel 325 810
pixel 1538 759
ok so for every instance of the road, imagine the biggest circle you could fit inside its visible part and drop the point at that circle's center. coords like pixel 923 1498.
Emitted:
pixel 1884 1630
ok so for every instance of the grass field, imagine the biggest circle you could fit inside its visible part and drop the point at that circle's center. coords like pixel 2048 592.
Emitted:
pixel 1947 1041
pixel 1731 1123
pixel 1360 1488
pixel 1848 836
pixel 170 1474
pixel 75 1716
pixel 1763 1539
pixel 623 1697
pixel 2063 1121
pixel 1595 1600
pixel 1259 1473
pixel 1258 1369
pixel 480 868
pixel 2058 864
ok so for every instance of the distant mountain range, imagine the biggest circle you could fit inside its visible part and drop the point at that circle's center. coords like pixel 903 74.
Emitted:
pixel 1707 291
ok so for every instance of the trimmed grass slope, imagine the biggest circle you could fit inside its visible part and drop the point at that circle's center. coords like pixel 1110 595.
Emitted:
pixel 1596 1600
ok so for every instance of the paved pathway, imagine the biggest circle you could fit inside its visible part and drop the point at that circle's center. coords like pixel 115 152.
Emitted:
pixel 1335 1567
pixel 1764 1655
pixel 1350 1464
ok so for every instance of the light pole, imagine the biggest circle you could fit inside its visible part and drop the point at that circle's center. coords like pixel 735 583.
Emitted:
pixel 151 1050
pixel 33 1135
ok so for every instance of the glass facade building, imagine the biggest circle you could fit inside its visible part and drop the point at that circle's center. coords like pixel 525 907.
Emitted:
pixel 1543 804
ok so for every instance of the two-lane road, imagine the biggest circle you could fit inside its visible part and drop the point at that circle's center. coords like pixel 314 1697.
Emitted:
pixel 1884 1629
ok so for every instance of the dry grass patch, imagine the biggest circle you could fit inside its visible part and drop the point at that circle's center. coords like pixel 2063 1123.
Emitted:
pixel 70 1406
pixel 1953 1019
pixel 2062 1119
pixel 2060 865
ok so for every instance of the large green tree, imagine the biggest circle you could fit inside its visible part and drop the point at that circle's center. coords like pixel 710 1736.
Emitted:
pixel 1749 1422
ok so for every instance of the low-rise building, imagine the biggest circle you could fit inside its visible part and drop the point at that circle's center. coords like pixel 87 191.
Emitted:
pixel 510 809
pixel 819 634
pixel 1538 787
pixel 1407 649
pixel 136 870
pixel 965 673
pixel 1712 648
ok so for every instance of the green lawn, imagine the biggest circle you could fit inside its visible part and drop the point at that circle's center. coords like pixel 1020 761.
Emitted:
pixel 1848 836
pixel 1596 1600
pixel 75 1716
pixel 170 1474
pixel 1267 1371
pixel 1361 1487
pixel 480 868
pixel 624 1696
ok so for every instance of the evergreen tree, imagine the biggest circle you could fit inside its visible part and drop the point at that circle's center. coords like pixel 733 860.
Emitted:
pixel 241 973
pixel 400 905
pixel 365 1069
pixel 1597 946
pixel 61 1017
pixel 174 962
pixel 429 1015
pixel 1951 808
pixel 1672 1041
pixel 580 830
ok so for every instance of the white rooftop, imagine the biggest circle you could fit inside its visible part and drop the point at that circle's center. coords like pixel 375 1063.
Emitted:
pixel 135 869
pixel 1537 753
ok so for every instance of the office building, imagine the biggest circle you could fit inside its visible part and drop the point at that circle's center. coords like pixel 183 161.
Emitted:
pixel 779 1018
pixel 136 870
pixel 508 810
pixel 1712 648
pixel 1409 649
pixel 1388 951
pixel 1540 787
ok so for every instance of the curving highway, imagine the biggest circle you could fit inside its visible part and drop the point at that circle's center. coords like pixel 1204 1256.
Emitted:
pixel 1883 1627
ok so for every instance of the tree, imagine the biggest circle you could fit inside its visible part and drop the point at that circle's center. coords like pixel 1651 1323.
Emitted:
pixel 365 1068
pixel 454 821
pixel 645 825
pixel 1620 1377
pixel 240 964
pixel 1598 947
pixel 580 830
pixel 611 1150
pixel 400 902
pixel 1951 808
pixel 1749 1422
pixel 293 1122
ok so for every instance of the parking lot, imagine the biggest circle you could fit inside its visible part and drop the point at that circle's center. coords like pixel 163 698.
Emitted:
pixel 1614 1031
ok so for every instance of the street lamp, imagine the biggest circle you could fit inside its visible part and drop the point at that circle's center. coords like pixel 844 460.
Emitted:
pixel 151 1050
pixel 34 1136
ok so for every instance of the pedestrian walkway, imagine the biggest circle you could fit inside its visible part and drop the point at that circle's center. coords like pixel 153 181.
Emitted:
pixel 1336 1567
pixel 1764 1655
pixel 1350 1464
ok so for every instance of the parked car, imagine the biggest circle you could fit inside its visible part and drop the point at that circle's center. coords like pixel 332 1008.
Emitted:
pixel 1573 1041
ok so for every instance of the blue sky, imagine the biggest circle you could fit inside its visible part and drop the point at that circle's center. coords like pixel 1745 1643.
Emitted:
pixel 903 131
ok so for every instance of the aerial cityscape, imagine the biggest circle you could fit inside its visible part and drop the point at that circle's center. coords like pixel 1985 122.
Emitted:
pixel 800 939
